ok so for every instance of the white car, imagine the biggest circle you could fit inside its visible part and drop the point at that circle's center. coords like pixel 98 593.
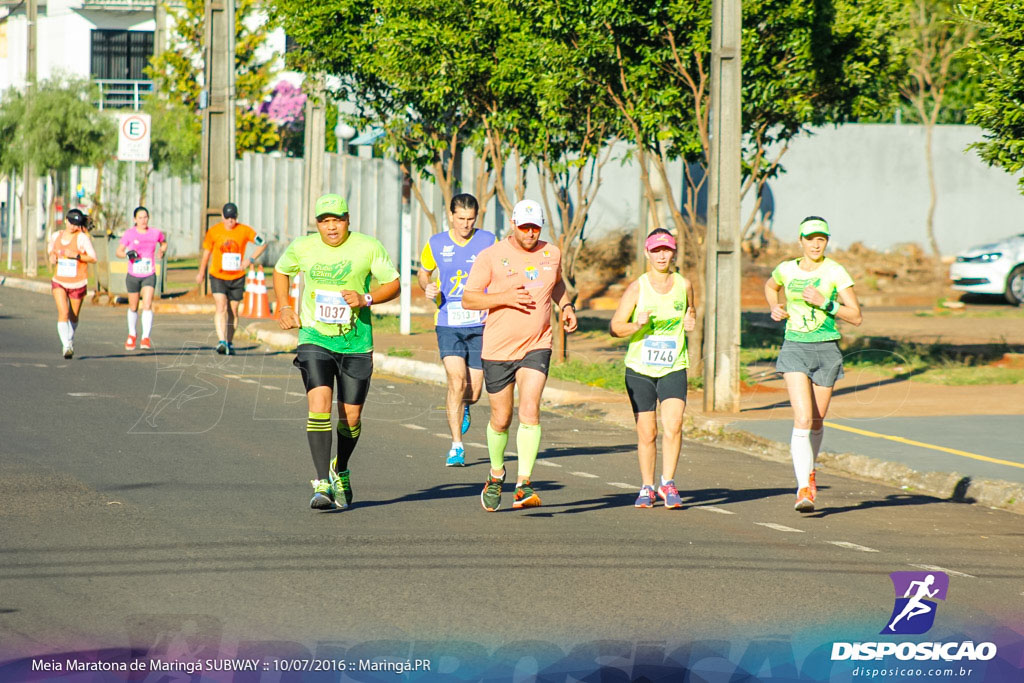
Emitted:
pixel 996 268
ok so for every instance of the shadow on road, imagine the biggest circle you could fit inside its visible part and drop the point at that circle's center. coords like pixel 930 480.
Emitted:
pixel 894 500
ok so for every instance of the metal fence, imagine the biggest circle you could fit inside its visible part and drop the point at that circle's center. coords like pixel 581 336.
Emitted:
pixel 268 192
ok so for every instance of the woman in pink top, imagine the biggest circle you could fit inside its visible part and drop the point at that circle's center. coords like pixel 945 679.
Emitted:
pixel 143 246
pixel 70 250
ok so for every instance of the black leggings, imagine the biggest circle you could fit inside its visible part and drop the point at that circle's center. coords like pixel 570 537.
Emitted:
pixel 323 368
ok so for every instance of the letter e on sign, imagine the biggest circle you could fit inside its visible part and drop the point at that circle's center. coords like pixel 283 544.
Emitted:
pixel 133 135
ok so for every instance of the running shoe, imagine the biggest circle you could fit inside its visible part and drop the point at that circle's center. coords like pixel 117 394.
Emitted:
pixel 231 349
pixel 466 420
pixel 129 344
pixel 146 343
pixel 323 495
pixel 813 485
pixel 804 500
pixel 670 494
pixel 456 458
pixel 490 497
pixel 341 483
pixel 222 347
pixel 646 498
pixel 69 352
pixel 526 497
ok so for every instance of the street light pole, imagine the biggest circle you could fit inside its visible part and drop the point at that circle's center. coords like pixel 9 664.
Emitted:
pixel 722 312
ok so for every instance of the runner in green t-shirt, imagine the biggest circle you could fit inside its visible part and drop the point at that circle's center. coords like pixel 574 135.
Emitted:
pixel 335 335
pixel 818 291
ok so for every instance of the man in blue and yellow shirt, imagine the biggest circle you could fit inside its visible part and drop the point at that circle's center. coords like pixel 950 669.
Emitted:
pixel 446 261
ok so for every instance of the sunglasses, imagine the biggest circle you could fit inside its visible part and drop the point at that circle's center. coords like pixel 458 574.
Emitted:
pixel 528 228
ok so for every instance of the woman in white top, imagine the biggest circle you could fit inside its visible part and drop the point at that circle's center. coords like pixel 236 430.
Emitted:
pixel 70 250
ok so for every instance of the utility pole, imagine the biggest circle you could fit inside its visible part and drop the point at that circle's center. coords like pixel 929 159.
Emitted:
pixel 29 247
pixel 722 317
pixel 217 164
pixel 313 153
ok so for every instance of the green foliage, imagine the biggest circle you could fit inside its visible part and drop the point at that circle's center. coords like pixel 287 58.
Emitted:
pixel 178 80
pixel 54 126
pixel 176 138
pixel 998 59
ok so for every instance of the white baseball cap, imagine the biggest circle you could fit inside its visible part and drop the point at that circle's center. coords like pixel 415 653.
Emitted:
pixel 528 212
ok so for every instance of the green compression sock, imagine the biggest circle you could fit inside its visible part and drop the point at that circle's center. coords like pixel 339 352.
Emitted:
pixel 527 444
pixel 496 442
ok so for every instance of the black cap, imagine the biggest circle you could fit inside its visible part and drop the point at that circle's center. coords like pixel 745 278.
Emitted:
pixel 229 211
pixel 76 217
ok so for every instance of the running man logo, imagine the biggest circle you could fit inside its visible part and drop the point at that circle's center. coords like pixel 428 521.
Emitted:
pixel 916 592
pixel 330 273
pixel 458 285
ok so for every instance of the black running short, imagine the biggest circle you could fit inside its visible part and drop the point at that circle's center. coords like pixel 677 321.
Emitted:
pixel 498 374
pixel 644 391
pixel 324 368
pixel 134 284
pixel 234 289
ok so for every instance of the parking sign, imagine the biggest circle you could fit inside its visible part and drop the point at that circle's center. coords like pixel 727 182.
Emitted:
pixel 133 137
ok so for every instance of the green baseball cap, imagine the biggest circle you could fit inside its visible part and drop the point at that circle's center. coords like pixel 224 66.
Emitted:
pixel 813 225
pixel 330 205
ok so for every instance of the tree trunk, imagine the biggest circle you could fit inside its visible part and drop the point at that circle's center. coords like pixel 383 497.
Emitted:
pixel 933 195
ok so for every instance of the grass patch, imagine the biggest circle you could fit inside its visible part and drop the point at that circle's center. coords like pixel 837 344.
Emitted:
pixel 964 376
pixel 400 353
pixel 390 324
pixel 1009 312
pixel 610 375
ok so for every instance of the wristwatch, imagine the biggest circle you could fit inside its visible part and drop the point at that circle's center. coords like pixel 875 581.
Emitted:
pixel 368 298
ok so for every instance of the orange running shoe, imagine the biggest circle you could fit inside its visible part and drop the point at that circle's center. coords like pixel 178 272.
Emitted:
pixel 526 497
pixel 146 343
pixel 129 344
pixel 804 500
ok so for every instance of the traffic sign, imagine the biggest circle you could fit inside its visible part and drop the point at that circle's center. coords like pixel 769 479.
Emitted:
pixel 133 135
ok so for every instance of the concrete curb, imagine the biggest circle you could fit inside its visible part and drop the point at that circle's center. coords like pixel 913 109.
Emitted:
pixel 588 402
pixel 30 285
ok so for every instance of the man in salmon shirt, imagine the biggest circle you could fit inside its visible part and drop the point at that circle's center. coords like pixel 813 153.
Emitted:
pixel 516 281
pixel 224 250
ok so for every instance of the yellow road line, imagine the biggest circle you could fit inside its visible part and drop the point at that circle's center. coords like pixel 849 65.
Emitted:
pixel 911 442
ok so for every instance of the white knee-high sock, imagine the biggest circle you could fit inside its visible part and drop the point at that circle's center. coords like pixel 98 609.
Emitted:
pixel 803 457
pixel 64 332
pixel 816 436
pixel 133 319
pixel 147 324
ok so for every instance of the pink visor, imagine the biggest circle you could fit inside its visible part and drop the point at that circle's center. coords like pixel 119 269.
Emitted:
pixel 661 239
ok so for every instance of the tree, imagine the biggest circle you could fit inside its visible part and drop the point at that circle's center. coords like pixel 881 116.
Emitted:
pixel 998 61
pixel 177 74
pixel 934 40
pixel 407 67
pixel 804 65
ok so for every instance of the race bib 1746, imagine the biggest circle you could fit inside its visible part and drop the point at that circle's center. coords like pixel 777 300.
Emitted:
pixel 660 351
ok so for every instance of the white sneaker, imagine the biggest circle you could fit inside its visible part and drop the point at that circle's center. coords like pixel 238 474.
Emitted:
pixel 69 351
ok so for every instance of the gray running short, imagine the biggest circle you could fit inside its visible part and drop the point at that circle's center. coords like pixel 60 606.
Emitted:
pixel 821 361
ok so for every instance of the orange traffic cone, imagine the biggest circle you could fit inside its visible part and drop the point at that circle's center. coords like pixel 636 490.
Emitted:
pixel 296 291
pixel 260 302
pixel 247 303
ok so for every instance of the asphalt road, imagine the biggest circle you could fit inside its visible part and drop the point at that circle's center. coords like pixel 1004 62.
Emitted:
pixel 159 501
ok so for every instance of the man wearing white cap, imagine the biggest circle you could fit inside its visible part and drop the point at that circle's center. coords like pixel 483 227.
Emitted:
pixel 516 281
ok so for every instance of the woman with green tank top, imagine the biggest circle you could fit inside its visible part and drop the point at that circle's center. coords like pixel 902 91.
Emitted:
pixel 655 312
pixel 819 291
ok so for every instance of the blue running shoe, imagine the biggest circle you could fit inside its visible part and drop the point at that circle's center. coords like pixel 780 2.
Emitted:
pixel 222 347
pixel 231 350
pixel 646 498
pixel 465 419
pixel 670 494
pixel 456 458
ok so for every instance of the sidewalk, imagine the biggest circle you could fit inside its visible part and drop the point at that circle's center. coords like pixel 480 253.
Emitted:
pixel 764 423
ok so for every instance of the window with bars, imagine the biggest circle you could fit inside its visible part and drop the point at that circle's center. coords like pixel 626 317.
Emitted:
pixel 121 55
